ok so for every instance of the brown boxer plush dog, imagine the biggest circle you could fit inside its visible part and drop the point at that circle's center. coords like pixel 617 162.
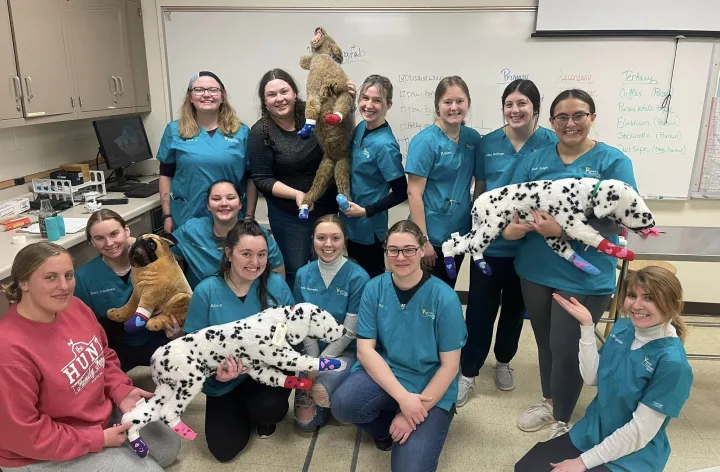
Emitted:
pixel 158 284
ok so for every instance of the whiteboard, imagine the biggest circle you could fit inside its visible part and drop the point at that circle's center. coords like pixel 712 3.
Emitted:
pixel 489 49
pixel 629 15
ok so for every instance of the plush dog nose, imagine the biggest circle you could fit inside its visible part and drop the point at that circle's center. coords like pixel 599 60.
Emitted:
pixel 344 331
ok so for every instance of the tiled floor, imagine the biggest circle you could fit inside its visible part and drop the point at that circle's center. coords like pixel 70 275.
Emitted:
pixel 483 436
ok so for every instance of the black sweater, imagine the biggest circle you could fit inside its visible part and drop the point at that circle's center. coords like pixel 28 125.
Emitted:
pixel 292 160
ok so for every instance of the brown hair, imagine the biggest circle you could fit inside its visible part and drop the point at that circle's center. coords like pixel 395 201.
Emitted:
pixel 665 290
pixel 228 121
pixel 102 215
pixel 444 85
pixel 330 218
pixel 299 110
pixel 247 228
pixel 406 226
pixel 27 260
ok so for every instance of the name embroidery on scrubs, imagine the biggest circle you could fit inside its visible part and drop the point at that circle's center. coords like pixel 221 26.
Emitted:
pixel 341 292
pixel 494 154
pixel 105 290
pixel 231 140
pixel 616 339
pixel 366 153
pixel 657 405
pixel 648 365
pixel 427 313
pixel 191 140
pixel 539 168
pixel 309 289
pixel 216 305
pixel 445 153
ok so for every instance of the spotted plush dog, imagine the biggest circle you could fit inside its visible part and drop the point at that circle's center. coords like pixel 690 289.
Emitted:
pixel 262 342
pixel 570 202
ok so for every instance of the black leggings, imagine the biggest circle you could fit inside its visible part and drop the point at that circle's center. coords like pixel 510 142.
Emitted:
pixel 229 418
pixel 370 257
pixel 556 450
pixel 438 270
pixel 131 356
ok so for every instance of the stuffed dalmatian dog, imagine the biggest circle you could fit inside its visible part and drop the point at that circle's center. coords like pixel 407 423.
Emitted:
pixel 570 202
pixel 262 342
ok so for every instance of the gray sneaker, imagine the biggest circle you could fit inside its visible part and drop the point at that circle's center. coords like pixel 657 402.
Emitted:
pixel 465 386
pixel 558 429
pixel 504 377
pixel 536 417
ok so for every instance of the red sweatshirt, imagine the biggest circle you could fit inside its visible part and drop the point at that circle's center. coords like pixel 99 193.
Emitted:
pixel 58 382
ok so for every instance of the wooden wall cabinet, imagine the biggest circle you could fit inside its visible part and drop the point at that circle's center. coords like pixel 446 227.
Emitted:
pixel 71 59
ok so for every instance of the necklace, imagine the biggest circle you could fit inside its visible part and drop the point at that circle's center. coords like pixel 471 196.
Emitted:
pixel 454 138
pixel 120 272
pixel 237 289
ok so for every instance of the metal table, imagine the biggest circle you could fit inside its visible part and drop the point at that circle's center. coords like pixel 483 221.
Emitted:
pixel 679 243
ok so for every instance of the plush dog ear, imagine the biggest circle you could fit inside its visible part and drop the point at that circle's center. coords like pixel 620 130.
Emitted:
pixel 608 197
pixel 171 240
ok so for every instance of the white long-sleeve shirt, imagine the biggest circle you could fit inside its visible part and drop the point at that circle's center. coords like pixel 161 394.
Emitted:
pixel 646 422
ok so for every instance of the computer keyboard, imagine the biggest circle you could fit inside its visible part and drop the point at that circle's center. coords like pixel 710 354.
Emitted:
pixel 145 190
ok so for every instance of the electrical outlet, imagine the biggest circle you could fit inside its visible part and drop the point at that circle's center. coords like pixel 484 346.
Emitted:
pixel 20 181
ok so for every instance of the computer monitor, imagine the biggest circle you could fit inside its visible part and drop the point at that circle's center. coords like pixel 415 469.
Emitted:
pixel 123 141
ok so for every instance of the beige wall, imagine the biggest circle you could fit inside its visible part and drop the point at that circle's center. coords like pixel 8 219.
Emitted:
pixel 700 280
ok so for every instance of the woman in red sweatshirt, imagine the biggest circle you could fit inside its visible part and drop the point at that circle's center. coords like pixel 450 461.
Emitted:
pixel 62 392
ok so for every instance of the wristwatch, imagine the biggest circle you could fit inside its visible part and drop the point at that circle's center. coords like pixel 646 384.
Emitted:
pixel 425 238
pixel 166 216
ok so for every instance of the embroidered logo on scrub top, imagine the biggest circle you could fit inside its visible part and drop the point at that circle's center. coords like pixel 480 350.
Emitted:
pixel 470 146
pixel 341 292
pixel 428 314
pixel 231 140
pixel 216 305
pixel 647 364
pixel 366 153
pixel 657 405
pixel 592 173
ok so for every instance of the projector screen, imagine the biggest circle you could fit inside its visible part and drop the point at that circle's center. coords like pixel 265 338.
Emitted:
pixel 696 18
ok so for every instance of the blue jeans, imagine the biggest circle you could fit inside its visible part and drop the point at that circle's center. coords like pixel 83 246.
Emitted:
pixel 330 380
pixel 359 400
pixel 294 238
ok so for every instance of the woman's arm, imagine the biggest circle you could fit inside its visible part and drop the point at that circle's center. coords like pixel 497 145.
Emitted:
pixel 449 366
pixel 631 437
pixel 165 184
pixel 398 194
pixel 251 195
pixel 261 165
pixel 588 355
pixel 27 432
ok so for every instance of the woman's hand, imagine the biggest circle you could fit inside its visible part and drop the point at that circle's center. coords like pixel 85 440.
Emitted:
pixel 299 197
pixel 172 331
pixel 576 309
pixel 115 435
pixel 545 224
pixel 230 369
pixel 517 230
pixel 412 408
pixel 168 225
pixel 352 90
pixel 430 256
pixel 136 394
pixel 355 211
pixel 570 465
pixel 400 429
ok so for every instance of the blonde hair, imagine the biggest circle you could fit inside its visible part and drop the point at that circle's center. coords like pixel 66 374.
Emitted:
pixel 27 260
pixel 665 290
pixel 228 121
pixel 382 84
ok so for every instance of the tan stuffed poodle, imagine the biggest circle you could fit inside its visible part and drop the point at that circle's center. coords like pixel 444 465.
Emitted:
pixel 328 114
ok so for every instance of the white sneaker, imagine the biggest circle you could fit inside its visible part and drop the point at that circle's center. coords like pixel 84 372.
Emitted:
pixel 465 386
pixel 558 429
pixel 536 417
pixel 504 377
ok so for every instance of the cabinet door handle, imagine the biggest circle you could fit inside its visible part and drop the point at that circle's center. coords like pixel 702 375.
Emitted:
pixel 122 85
pixel 72 102
pixel 28 86
pixel 17 86
pixel 114 85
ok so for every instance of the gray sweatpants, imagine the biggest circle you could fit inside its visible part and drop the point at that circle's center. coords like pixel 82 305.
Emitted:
pixel 164 447
pixel 557 335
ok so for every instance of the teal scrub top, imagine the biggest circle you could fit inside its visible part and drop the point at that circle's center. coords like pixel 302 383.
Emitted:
pixel 496 162
pixel 199 162
pixel 376 161
pixel 214 303
pixel 534 260
pixel 657 375
pixel 448 168
pixel 101 289
pixel 197 245
pixel 411 338
pixel 340 298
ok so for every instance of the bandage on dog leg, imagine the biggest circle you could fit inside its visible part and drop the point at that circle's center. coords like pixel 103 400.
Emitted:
pixel 297 382
pixel 611 249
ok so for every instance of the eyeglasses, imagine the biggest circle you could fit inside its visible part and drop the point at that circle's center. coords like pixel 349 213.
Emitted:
pixel 578 118
pixel 201 90
pixel 407 251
